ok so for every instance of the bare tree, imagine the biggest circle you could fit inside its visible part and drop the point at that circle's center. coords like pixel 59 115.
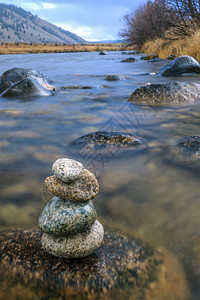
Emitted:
pixel 148 22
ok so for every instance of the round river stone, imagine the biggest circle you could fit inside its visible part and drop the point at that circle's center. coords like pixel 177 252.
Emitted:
pixel 77 246
pixel 67 169
pixel 121 268
pixel 66 217
pixel 83 189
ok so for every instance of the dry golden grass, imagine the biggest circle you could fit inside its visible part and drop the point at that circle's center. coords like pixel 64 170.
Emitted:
pixel 188 46
pixel 23 48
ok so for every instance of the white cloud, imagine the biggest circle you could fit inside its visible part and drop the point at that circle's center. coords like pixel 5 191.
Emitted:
pixel 88 33
pixel 37 5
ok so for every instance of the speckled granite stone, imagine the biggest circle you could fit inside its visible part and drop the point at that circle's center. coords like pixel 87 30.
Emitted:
pixel 67 169
pixel 66 217
pixel 122 268
pixel 83 189
pixel 79 245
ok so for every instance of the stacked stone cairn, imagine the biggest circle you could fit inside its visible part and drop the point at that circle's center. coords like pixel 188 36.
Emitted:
pixel 68 221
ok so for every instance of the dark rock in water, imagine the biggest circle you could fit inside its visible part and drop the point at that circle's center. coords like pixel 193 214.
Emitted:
pixel 109 138
pixel 76 87
pixel 157 60
pixel 15 75
pixel 26 88
pixel 180 65
pixel 108 145
pixel 102 53
pixel 113 78
pixel 192 143
pixel 188 149
pixel 149 56
pixel 120 268
pixel 185 154
pixel 130 59
pixel 171 56
pixel 171 92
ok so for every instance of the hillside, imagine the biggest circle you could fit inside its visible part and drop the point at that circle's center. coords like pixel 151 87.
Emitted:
pixel 18 25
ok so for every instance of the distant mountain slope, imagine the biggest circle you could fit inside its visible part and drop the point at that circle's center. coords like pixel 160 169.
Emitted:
pixel 18 25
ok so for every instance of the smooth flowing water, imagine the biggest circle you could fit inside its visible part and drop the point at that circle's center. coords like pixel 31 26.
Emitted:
pixel 146 192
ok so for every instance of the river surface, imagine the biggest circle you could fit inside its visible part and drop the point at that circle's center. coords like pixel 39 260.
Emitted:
pixel 144 192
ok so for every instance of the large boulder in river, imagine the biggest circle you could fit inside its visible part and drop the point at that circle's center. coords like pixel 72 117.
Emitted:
pixel 26 88
pixel 122 268
pixel 180 65
pixel 15 75
pixel 170 92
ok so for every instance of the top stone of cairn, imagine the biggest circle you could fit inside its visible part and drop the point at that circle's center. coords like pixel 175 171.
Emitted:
pixel 67 170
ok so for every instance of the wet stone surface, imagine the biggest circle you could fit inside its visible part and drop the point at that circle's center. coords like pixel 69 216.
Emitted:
pixel 180 65
pixel 121 268
pixel 79 245
pixel 172 92
pixel 67 169
pixel 83 189
pixel 109 138
pixel 15 75
pixel 64 217
pixel 26 88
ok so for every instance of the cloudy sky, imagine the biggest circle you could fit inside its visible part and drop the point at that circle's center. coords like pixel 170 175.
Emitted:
pixel 91 19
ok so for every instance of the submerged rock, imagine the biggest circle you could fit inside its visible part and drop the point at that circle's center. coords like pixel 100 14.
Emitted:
pixel 77 246
pixel 109 138
pixel 149 56
pixel 64 217
pixel 130 59
pixel 171 92
pixel 180 65
pixel 103 145
pixel 121 267
pixel 15 75
pixel 26 88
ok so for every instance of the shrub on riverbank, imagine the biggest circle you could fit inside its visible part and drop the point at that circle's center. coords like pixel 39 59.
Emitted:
pixel 187 46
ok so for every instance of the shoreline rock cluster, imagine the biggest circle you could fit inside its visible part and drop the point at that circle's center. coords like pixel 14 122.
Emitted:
pixel 68 221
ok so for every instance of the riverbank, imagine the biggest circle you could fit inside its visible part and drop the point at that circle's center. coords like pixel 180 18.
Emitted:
pixel 163 47
pixel 24 48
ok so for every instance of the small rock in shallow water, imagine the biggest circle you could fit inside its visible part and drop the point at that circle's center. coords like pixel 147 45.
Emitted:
pixel 130 59
pixel 112 78
pixel 66 217
pixel 79 245
pixel 67 169
pixel 83 189
pixel 109 138
pixel 149 56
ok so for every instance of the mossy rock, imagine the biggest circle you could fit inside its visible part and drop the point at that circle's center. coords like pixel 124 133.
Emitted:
pixel 122 268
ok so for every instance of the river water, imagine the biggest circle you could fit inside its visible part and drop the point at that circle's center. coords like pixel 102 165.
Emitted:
pixel 148 191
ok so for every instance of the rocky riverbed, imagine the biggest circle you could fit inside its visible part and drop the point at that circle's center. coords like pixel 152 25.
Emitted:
pixel 143 153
